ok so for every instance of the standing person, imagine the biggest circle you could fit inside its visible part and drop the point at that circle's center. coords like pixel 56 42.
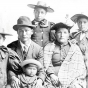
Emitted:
pixel 28 78
pixel 25 47
pixel 42 34
pixel 82 36
pixel 65 65
pixel 5 55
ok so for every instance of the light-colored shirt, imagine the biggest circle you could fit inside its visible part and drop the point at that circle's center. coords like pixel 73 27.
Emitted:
pixel 25 46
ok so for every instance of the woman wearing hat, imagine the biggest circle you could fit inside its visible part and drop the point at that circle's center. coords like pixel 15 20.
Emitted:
pixel 82 36
pixel 63 60
pixel 42 33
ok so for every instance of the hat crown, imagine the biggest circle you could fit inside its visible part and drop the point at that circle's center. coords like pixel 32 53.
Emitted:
pixel 40 3
pixel 23 20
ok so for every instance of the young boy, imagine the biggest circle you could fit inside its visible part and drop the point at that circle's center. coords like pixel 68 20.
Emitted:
pixel 42 34
pixel 28 79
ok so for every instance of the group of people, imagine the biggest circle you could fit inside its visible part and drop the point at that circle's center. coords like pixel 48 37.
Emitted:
pixel 46 55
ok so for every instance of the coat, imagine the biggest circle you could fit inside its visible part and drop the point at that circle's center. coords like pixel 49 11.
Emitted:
pixel 42 34
pixel 6 55
pixel 35 52
pixel 73 63
pixel 83 44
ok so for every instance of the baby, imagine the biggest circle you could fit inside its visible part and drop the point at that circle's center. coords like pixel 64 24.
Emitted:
pixel 28 79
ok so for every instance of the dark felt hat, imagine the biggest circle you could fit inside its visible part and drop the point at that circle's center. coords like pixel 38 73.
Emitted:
pixel 78 16
pixel 61 25
pixel 41 4
pixel 23 21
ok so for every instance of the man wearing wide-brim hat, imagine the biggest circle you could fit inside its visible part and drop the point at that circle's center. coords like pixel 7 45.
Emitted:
pixel 42 34
pixel 24 46
pixel 81 36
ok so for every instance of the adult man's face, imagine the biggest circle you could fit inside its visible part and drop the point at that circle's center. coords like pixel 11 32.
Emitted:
pixel 83 24
pixel 24 34
pixel 39 13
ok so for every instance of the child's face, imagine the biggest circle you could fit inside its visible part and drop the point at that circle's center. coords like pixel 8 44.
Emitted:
pixel 30 71
pixel 83 24
pixel 39 14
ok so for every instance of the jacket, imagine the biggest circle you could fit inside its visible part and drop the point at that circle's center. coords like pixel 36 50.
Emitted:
pixel 34 51
pixel 42 34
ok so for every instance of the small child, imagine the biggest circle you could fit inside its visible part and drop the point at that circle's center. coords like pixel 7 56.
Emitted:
pixel 28 79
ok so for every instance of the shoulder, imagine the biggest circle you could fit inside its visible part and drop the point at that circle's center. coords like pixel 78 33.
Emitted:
pixel 75 34
pixel 35 45
pixel 14 43
pixel 49 47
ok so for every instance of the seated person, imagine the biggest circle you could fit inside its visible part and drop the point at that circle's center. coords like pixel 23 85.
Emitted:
pixel 63 61
pixel 28 78
pixel 6 55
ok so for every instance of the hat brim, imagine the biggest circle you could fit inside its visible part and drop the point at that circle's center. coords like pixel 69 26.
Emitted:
pixel 76 16
pixel 31 61
pixel 15 27
pixel 48 9
pixel 6 34
pixel 60 25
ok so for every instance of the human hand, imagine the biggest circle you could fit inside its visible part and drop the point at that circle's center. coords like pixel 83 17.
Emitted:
pixel 15 82
pixel 54 79
pixel 39 83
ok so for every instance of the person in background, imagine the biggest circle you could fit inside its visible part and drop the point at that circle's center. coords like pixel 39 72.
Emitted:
pixel 42 34
pixel 64 61
pixel 6 55
pixel 28 78
pixel 26 48
pixel 81 37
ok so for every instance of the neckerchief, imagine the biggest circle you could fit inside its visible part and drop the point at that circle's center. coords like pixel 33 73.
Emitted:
pixel 43 23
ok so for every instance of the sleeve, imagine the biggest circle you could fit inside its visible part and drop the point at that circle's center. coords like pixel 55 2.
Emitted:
pixel 41 73
pixel 13 67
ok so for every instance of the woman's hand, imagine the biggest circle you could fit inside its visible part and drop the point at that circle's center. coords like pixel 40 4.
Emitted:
pixel 54 79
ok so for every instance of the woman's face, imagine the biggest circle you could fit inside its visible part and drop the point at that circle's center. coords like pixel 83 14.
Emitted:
pixel 39 13
pixel 30 71
pixel 62 35
pixel 83 24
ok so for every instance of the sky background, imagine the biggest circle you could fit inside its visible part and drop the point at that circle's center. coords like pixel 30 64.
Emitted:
pixel 11 10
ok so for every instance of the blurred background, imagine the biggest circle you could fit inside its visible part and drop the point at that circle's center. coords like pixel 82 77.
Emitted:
pixel 11 10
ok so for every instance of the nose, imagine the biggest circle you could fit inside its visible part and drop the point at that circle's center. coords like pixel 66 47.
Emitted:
pixel 24 33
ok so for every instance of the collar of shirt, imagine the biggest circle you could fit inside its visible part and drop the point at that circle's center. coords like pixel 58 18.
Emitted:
pixel 25 45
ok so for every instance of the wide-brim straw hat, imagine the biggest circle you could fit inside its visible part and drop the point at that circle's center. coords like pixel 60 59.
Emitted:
pixel 77 16
pixel 31 61
pixel 23 21
pixel 57 26
pixel 41 4
pixel 2 32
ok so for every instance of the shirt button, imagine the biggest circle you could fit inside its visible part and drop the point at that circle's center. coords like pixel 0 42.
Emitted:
pixel 42 32
pixel 41 40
